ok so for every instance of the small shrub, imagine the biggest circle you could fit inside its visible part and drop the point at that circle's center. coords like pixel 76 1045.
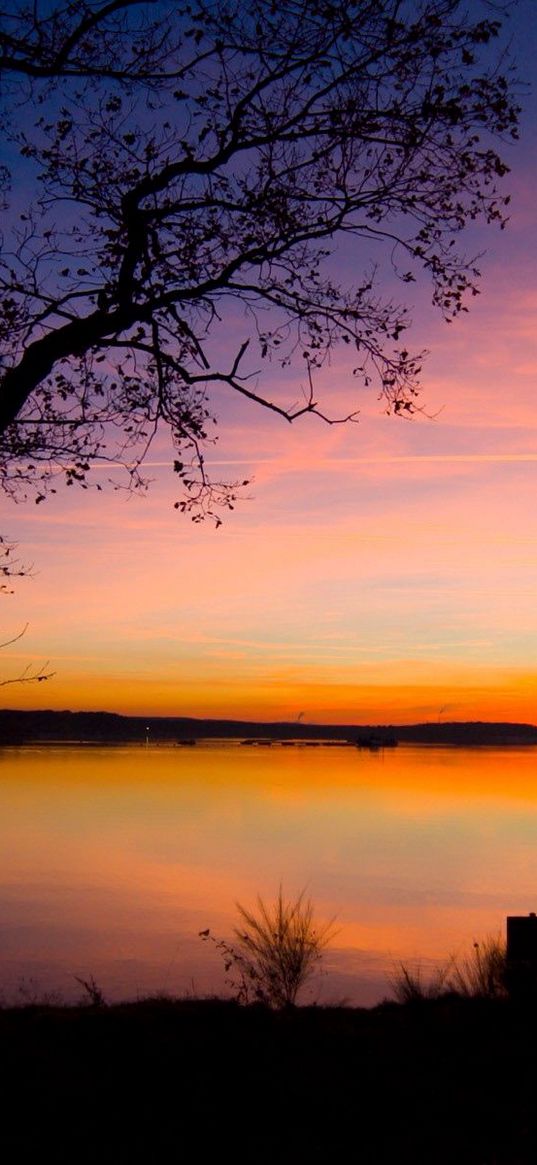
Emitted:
pixel 275 952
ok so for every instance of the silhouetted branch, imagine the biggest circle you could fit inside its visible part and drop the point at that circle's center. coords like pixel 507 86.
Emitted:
pixel 194 159
pixel 28 676
pixel 10 568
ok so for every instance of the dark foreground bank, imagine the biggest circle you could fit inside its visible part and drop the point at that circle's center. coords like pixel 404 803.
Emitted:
pixel 442 1081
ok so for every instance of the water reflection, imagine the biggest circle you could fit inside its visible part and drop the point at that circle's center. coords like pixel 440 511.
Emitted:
pixel 112 860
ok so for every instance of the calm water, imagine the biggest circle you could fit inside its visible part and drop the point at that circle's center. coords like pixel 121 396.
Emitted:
pixel 112 860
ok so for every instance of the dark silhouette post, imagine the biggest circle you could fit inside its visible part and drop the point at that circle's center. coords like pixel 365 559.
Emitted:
pixel 521 962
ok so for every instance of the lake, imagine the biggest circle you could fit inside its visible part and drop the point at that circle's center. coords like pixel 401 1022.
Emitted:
pixel 113 859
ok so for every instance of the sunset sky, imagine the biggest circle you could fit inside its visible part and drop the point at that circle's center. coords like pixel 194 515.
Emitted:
pixel 379 572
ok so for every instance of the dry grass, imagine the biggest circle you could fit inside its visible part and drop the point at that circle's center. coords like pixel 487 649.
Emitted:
pixel 408 985
pixel 480 974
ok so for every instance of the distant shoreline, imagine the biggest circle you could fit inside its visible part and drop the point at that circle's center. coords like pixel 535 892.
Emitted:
pixel 19 727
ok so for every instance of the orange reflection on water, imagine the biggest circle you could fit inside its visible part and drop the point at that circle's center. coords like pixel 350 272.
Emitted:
pixel 114 859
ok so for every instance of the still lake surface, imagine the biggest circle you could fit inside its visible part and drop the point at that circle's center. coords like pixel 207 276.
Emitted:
pixel 113 859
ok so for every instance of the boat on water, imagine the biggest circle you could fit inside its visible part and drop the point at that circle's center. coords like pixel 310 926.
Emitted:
pixel 375 743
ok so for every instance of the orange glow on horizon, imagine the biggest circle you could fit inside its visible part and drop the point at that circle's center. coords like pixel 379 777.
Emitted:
pixel 501 697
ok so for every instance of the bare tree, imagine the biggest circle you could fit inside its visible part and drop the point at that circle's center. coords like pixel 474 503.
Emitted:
pixel 193 170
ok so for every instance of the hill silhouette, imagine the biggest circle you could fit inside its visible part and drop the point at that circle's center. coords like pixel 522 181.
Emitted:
pixel 26 727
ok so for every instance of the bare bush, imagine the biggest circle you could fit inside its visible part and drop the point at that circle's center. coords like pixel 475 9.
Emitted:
pixel 276 951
